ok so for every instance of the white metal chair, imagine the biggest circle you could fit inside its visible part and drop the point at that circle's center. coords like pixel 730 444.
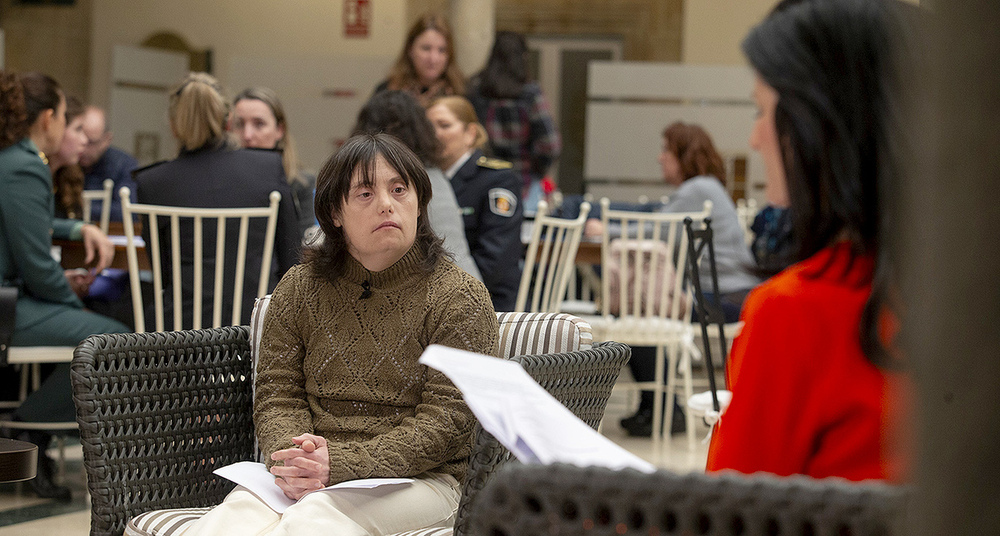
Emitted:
pixel 653 305
pixel 104 196
pixel 551 259
pixel 201 218
pixel 746 211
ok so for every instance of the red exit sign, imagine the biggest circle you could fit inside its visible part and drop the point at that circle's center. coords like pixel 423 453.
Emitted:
pixel 357 18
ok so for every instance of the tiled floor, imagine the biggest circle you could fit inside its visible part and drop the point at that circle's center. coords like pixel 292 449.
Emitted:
pixel 23 515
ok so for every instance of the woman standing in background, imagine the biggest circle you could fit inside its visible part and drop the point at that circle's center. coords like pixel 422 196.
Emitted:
pixel 426 67
pixel 516 115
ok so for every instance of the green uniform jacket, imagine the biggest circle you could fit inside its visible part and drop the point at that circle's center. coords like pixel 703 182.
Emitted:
pixel 27 226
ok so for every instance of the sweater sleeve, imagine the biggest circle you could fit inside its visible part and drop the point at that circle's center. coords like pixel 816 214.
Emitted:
pixel 281 410
pixel 440 430
pixel 775 413
pixel 26 213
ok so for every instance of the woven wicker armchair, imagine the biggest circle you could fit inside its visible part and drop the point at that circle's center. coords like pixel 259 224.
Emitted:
pixel 562 499
pixel 160 411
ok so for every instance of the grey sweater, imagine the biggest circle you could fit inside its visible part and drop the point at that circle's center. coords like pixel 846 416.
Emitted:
pixel 732 255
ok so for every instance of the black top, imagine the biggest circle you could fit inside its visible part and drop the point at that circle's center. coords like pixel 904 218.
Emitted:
pixel 489 195
pixel 220 177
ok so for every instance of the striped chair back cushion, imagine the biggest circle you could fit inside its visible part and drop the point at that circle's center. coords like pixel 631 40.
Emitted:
pixel 542 333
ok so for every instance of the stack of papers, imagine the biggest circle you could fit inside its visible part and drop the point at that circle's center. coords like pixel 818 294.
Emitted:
pixel 523 416
pixel 255 477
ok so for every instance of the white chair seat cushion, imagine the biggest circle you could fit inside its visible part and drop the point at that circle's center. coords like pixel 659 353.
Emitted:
pixel 164 522
pixel 637 331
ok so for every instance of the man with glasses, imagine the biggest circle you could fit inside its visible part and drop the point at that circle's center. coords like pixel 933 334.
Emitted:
pixel 102 161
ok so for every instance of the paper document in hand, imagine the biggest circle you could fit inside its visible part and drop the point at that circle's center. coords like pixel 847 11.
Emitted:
pixel 523 416
pixel 255 477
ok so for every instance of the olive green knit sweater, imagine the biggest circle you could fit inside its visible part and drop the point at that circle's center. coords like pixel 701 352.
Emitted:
pixel 345 367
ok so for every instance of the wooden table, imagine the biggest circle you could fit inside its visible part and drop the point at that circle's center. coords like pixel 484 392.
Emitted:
pixel 73 252
pixel 18 460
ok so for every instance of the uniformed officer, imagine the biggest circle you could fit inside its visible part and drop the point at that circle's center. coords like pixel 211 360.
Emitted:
pixel 489 194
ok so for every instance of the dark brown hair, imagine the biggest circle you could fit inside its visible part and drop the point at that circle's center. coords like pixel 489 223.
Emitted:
pixel 358 155
pixel 13 117
pixel 695 150
pixel 41 93
pixel 403 75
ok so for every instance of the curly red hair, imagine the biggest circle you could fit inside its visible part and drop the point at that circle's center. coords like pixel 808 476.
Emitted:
pixel 13 116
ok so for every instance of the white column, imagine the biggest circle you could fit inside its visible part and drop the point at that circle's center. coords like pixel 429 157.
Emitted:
pixel 472 25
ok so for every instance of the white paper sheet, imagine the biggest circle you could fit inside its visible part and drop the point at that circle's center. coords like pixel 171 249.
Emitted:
pixel 255 477
pixel 523 416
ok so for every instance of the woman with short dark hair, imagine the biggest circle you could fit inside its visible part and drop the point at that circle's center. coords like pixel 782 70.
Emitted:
pixel 815 384
pixel 339 392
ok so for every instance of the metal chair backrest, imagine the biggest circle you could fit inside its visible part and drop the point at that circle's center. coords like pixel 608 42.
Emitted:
pixel 104 196
pixel 746 211
pixel 201 218
pixel 650 247
pixel 551 259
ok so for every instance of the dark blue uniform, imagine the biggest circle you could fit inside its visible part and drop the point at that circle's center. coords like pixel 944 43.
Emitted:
pixel 489 194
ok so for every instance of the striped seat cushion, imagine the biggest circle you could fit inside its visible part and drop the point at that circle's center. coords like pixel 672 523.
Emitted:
pixel 445 531
pixel 542 333
pixel 164 522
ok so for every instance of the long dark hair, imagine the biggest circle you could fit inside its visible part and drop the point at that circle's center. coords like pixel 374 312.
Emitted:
pixel 333 184
pixel 832 64
pixel 398 114
pixel 506 71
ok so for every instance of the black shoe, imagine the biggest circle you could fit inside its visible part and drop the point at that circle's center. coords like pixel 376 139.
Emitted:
pixel 641 424
pixel 44 483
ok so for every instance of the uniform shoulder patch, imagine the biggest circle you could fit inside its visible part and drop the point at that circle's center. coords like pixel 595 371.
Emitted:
pixel 493 163
pixel 503 202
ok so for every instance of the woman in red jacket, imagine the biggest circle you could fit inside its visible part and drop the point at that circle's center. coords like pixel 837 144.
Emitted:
pixel 816 390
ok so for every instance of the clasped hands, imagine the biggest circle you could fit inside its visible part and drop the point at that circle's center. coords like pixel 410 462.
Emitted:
pixel 99 250
pixel 306 466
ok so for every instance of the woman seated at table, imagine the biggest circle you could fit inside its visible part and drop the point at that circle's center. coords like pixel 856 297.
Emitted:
pixel 690 162
pixel 339 392
pixel 259 120
pixel 48 310
pixel 211 171
pixel 814 383
pixel 489 194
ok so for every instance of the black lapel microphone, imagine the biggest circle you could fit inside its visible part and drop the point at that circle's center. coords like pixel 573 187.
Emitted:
pixel 367 293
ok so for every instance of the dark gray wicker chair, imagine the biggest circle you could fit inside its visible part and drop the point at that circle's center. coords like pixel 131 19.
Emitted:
pixel 158 412
pixel 582 381
pixel 562 499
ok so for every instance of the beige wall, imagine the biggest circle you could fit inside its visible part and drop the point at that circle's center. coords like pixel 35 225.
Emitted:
pixel 713 29
pixel 263 28
pixel 54 40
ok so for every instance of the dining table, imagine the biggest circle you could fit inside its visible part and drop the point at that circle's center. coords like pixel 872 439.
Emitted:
pixel 73 254
pixel 18 460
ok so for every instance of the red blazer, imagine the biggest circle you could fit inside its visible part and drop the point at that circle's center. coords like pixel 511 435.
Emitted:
pixel 806 400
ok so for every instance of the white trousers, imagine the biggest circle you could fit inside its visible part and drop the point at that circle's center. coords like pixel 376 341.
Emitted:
pixel 431 501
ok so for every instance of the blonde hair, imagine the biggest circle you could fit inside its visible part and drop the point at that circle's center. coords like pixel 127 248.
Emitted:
pixel 465 113
pixel 198 112
pixel 289 156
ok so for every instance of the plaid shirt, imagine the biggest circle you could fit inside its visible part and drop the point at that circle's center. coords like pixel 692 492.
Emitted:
pixel 521 131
